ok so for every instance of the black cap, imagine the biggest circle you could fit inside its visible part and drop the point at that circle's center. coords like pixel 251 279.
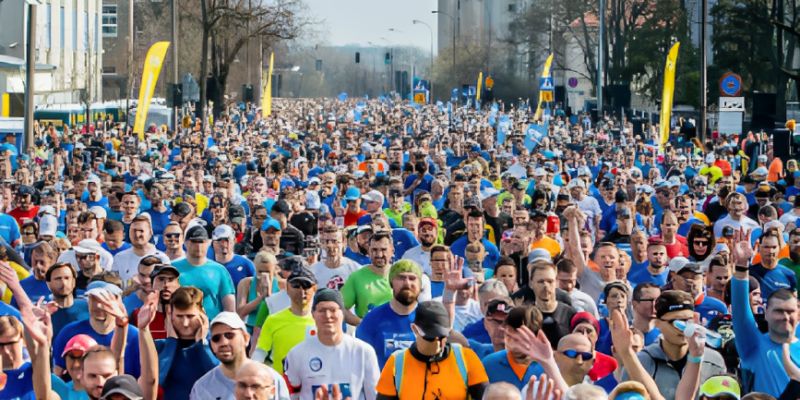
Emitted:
pixel 125 385
pixel 620 196
pixel 327 294
pixel 623 212
pixel 536 213
pixel 161 268
pixel 432 319
pixel 235 211
pixel 197 232
pixel 282 206
pixel 499 305
pixel 673 300
pixel 472 202
pixel 181 209
pixel 616 285
pixel 302 274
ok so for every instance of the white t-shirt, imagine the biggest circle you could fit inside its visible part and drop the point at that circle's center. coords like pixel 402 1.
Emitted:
pixel 214 385
pixel 278 302
pixel 583 302
pixel 352 364
pixel 789 217
pixel 421 257
pixel 467 314
pixel 126 263
pixel 334 278
pixel 744 222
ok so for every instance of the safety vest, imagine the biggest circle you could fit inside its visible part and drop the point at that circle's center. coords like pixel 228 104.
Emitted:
pixel 399 355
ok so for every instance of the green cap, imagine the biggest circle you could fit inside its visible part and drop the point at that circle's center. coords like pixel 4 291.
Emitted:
pixel 405 266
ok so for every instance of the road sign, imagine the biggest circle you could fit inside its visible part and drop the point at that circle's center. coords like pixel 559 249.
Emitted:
pixel 731 104
pixel 573 82
pixel 730 85
pixel 546 84
pixel 489 82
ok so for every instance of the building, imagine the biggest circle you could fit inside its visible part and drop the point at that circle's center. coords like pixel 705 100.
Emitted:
pixel 69 52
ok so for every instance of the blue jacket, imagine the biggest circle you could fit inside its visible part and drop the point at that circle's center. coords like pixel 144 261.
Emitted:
pixel 190 363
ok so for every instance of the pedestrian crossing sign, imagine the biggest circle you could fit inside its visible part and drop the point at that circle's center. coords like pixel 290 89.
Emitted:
pixel 546 84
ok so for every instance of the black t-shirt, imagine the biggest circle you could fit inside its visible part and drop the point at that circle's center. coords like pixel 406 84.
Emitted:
pixel 556 324
pixel 305 222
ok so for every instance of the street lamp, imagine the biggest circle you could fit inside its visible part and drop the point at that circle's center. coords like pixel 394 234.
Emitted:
pixel 452 19
pixel 415 22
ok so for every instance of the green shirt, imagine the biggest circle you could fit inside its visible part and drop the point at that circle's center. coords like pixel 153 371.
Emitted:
pixel 211 278
pixel 365 290
pixel 397 216
pixel 788 263
pixel 281 332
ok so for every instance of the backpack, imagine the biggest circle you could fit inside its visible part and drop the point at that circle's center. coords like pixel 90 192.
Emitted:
pixel 399 358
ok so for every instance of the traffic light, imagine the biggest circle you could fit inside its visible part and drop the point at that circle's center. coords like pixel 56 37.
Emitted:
pixel 175 98
pixel 358 57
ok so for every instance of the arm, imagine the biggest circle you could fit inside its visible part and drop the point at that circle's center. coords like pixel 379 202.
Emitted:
pixel 744 323
pixel 10 278
pixel 114 307
pixel 538 348
pixel 148 357
pixel 690 381
pixel 38 336
pixel 792 390
pixel 621 337
pixel 574 249
pixel 454 281
pixel 229 303
pixel 243 307
pixel 349 297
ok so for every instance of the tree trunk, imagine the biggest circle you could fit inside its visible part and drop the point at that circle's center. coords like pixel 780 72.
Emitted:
pixel 201 106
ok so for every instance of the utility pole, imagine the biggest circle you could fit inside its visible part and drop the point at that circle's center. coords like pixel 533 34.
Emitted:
pixel 175 106
pixel 130 66
pixel 30 74
pixel 701 127
pixel 601 58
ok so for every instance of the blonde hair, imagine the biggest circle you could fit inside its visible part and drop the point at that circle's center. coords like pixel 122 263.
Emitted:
pixel 265 256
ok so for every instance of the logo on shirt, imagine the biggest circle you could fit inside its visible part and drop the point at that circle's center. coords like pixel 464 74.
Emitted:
pixel 315 364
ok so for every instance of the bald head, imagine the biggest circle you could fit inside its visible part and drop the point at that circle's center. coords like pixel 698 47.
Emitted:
pixel 254 382
pixel 574 341
pixel 502 391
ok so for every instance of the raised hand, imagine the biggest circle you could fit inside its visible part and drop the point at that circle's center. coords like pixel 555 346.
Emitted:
pixel 111 305
pixel 202 332
pixel 38 324
pixel 697 339
pixel 8 275
pixel 264 286
pixel 620 331
pixel 147 312
pixel 545 390
pixel 454 277
pixel 535 346
pixel 742 251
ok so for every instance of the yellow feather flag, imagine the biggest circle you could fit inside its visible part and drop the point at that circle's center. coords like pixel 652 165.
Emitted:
pixel 668 93
pixel 478 89
pixel 266 99
pixel 545 74
pixel 152 68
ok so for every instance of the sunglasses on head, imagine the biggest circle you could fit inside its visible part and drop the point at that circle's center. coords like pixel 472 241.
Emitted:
pixel 573 354
pixel 228 335
pixel 301 285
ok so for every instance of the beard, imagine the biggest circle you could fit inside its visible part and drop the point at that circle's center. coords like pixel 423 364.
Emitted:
pixel 795 256
pixel 406 297
pixel 425 242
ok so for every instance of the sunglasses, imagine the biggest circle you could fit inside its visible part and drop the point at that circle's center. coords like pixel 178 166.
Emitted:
pixel 573 354
pixel 228 335
pixel 301 285
pixel 172 235
pixel 77 354
pixel 85 256
pixel 701 242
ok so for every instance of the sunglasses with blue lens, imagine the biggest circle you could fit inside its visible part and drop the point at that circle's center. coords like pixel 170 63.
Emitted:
pixel 584 355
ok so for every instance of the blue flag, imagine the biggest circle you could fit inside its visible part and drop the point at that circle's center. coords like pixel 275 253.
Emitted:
pixel 534 135
pixel 502 129
pixel 342 96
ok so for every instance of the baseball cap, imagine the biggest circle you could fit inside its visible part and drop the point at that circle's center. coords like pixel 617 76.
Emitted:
pixel 677 263
pixel 99 287
pixel 48 225
pixel 223 232
pixel 99 212
pixel 291 263
pixel 688 266
pixel 539 254
pixel 94 179
pixel 125 385
pixel 352 194
pixel 673 300
pixel 302 274
pixel 327 294
pixel 161 268
pixel 25 190
pixel 79 342
pixel 720 385
pixel 402 266
pixel 271 223
pixel 576 183
pixel 314 181
pixel 282 206
pixel 181 209
pixel 536 213
pixel 196 232
pixel 584 316
pixel 499 305
pixel 488 192
pixel 88 246
pixel 373 196
pixel 615 285
pixel 231 319
pixel 431 221
pixel 432 320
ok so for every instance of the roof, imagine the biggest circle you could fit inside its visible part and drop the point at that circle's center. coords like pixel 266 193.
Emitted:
pixel 11 63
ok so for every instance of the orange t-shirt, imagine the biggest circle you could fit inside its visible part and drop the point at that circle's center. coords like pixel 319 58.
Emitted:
pixel 446 384
pixel 775 170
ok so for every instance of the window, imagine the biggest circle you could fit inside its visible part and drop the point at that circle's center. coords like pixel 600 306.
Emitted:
pixel 74 28
pixel 85 31
pixel 109 20
pixel 48 37
pixel 512 7
pixel 109 70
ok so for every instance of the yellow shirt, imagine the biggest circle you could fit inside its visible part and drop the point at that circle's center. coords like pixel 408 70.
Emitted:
pixel 446 384
pixel 22 273
pixel 281 332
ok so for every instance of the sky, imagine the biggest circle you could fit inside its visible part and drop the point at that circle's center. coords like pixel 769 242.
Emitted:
pixel 361 21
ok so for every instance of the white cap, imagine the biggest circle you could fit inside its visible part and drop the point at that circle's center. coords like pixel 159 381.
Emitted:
pixel 231 319
pixel 576 183
pixel 539 172
pixel 710 158
pixel 49 210
pixel 98 288
pixel 488 192
pixel 762 158
pixel 677 263
pixel 94 179
pixel 88 246
pixel 209 178
pixel 373 196
pixel 48 225
pixel 223 232
pixel 214 149
pixel 99 212
pixel 313 181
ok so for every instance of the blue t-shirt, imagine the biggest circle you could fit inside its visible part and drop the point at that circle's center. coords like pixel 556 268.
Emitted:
pixel 757 352
pixel 184 366
pixel 34 289
pixel 66 390
pixel 773 279
pixel 125 246
pixel 6 309
pixel 84 327
pixel 499 369
pixel 79 311
pixel 477 331
pixel 19 383
pixel 239 268
pixel 160 220
pixel 9 229
pixel 459 248
pixel 386 331
pixel 403 240
pixel 425 185
pixel 211 278
pixel 132 302
pixel 103 202
pixel 641 275
pixel 357 257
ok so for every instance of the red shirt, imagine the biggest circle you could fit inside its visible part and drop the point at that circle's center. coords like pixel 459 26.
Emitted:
pixel 351 219
pixel 21 215
pixel 158 328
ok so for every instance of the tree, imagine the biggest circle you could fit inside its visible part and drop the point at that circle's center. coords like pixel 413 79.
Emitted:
pixel 228 25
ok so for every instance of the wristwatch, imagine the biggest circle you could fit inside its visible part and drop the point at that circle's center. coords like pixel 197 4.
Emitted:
pixel 122 322
pixel 741 268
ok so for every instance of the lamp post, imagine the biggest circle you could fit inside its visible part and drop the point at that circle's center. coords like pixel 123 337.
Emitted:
pixel 415 22
pixel 30 73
